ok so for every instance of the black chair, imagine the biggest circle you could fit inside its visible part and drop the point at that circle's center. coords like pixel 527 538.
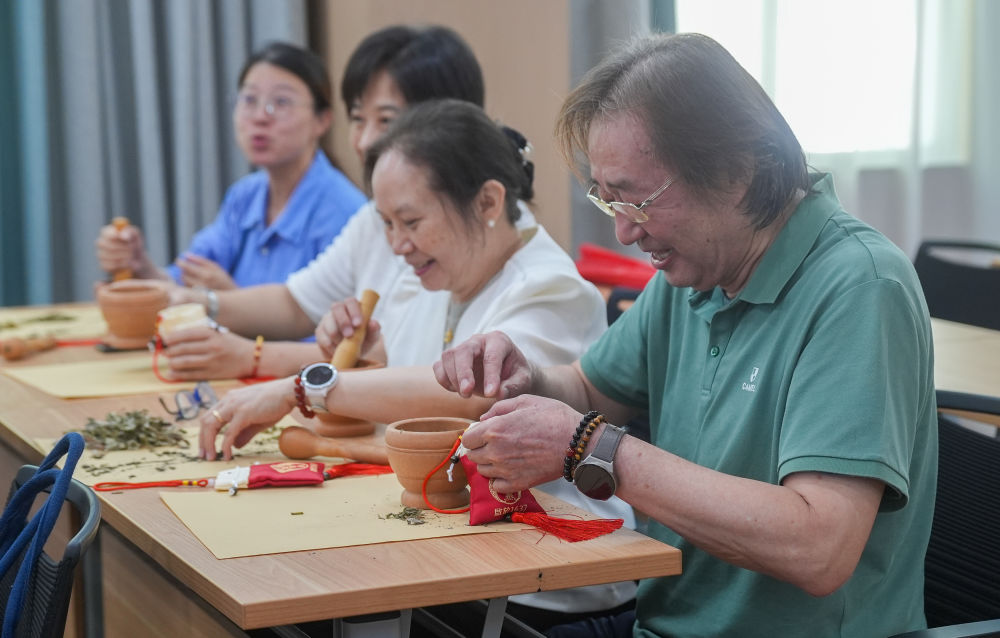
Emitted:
pixel 46 597
pixel 961 281
pixel 962 567
pixel 619 300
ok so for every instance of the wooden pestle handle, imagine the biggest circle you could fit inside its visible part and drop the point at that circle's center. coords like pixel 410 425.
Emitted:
pixel 348 350
pixel 120 224
pixel 17 348
pixel 302 443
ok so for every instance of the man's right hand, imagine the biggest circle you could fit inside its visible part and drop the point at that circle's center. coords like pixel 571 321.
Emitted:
pixel 488 365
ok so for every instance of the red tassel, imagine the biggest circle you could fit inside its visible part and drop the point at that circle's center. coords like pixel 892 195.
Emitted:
pixel 355 469
pixel 568 529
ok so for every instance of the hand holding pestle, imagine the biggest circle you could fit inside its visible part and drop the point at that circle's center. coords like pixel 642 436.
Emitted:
pixel 302 443
pixel 120 224
pixel 347 352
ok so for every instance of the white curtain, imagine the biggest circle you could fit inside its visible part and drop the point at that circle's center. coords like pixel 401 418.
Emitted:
pixel 124 110
pixel 896 98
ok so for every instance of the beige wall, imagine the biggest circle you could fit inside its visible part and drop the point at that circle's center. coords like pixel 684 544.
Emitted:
pixel 523 48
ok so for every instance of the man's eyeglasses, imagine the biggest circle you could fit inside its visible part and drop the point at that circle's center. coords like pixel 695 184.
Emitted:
pixel 190 402
pixel 277 106
pixel 633 212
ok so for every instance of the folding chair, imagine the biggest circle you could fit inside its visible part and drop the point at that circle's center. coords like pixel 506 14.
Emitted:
pixel 35 587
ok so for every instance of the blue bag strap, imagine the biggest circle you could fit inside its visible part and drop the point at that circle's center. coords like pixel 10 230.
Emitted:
pixel 15 532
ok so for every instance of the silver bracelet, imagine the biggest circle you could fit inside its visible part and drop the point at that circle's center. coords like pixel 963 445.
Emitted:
pixel 212 307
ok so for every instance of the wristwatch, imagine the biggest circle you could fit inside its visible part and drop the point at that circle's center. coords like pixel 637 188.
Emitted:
pixel 595 475
pixel 317 381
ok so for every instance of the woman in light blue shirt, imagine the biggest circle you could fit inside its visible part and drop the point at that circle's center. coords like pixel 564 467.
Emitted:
pixel 274 221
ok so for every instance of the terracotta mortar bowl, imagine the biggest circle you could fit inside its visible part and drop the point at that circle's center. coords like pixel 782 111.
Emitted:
pixel 417 446
pixel 335 425
pixel 129 308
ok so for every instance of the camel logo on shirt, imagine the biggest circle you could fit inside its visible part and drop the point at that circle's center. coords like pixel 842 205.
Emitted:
pixel 751 385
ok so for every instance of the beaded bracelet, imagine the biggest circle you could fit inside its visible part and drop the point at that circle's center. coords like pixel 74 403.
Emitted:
pixel 257 347
pixel 578 444
pixel 300 397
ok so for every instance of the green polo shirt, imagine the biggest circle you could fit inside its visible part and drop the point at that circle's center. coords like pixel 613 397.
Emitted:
pixel 822 363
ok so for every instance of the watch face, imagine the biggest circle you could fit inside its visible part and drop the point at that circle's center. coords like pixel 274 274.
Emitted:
pixel 594 481
pixel 319 375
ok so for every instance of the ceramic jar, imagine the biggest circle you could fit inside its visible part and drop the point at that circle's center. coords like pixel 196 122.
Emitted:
pixel 417 446
pixel 335 425
pixel 130 307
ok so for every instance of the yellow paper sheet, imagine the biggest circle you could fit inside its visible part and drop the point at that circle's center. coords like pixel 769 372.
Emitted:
pixel 342 512
pixel 117 375
pixel 84 322
pixel 170 463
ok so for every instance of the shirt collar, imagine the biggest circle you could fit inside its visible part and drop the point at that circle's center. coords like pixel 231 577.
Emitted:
pixel 290 227
pixel 785 255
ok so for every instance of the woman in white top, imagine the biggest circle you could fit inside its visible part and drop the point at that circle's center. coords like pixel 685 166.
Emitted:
pixel 446 181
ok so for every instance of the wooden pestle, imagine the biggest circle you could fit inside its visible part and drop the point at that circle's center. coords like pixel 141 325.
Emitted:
pixel 120 224
pixel 348 350
pixel 16 348
pixel 302 443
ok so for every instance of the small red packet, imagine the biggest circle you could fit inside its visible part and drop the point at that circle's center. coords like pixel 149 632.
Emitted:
pixel 281 474
pixel 487 505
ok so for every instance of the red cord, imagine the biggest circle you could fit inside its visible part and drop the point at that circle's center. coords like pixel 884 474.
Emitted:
pixel 423 488
pixel 109 486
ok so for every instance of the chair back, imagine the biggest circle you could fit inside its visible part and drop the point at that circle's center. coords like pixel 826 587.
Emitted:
pixel 35 587
pixel 961 281
pixel 962 568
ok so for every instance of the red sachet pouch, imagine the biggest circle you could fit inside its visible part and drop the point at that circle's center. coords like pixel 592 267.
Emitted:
pixel 486 505
pixel 282 473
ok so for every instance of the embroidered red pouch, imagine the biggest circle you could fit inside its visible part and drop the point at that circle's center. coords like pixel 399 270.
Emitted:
pixel 487 505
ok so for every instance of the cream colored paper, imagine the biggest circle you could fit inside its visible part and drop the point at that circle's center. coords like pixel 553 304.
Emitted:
pixel 172 463
pixel 84 322
pixel 117 375
pixel 340 513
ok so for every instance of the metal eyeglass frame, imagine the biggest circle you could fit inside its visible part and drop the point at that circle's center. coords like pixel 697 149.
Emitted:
pixel 190 402
pixel 631 211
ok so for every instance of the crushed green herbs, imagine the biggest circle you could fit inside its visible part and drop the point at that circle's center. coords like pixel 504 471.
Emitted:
pixel 411 515
pixel 132 430
pixel 52 316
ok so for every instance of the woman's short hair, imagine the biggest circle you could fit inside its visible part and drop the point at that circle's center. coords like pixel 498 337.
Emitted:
pixel 302 63
pixel 708 120
pixel 426 63
pixel 460 148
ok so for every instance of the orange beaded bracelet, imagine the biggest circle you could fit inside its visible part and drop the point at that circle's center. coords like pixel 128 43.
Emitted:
pixel 257 347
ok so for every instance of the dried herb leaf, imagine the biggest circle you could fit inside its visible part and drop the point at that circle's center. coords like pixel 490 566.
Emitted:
pixel 131 430
pixel 411 515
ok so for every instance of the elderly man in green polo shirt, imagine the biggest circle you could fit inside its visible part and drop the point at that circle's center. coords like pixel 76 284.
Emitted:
pixel 784 357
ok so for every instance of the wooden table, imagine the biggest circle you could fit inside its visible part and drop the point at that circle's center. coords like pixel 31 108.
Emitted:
pixel 158 576
pixel 967 360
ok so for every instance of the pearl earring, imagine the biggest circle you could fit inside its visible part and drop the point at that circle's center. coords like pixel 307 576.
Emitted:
pixel 491 222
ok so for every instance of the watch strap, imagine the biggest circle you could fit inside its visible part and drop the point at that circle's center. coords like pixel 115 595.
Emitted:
pixel 607 445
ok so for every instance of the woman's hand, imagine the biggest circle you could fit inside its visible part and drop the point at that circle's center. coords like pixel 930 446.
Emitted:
pixel 206 353
pixel 340 322
pixel 123 249
pixel 521 442
pixel 488 365
pixel 242 413
pixel 200 271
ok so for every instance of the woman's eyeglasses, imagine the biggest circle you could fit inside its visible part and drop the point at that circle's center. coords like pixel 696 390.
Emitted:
pixel 278 107
pixel 188 403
